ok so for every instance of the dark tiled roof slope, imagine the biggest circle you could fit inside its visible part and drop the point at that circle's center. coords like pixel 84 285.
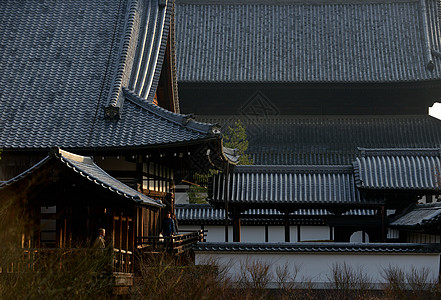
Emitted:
pixel 290 185
pixel 67 69
pixel 403 169
pixel 207 214
pixel 329 140
pixel 420 216
pixel 144 123
pixel 86 168
pixel 308 41
pixel 319 247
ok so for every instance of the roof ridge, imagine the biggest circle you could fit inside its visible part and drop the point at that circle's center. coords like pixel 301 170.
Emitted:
pixel 285 2
pixel 314 117
pixel 179 119
pixel 165 19
pixel 398 151
pixel 174 71
pixel 428 205
pixel 115 101
pixel 57 153
pixel 294 168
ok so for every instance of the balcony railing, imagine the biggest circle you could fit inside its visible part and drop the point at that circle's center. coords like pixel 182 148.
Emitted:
pixel 177 244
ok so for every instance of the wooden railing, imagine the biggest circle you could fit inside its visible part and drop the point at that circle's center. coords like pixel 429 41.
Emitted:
pixel 123 260
pixel 176 244
pixel 119 260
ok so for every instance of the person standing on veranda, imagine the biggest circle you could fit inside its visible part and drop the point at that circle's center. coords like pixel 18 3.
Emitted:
pixel 100 242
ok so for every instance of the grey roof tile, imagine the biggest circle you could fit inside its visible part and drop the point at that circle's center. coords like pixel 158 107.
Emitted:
pixel 329 140
pixel 402 169
pixel 207 214
pixel 319 247
pixel 290 185
pixel 307 41
pixel 63 62
pixel 420 215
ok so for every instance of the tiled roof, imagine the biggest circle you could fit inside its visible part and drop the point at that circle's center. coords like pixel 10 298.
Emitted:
pixel 63 62
pixel 318 247
pixel 308 41
pixel 329 140
pixel 419 216
pixel 407 169
pixel 290 185
pixel 86 168
pixel 207 214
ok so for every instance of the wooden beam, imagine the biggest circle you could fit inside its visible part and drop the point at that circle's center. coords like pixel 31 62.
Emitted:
pixel 266 234
pixel 120 242
pixel 127 258
pixel 299 230
pixel 383 225
pixel 287 231
pixel 226 198
pixel 236 226
pixel 133 235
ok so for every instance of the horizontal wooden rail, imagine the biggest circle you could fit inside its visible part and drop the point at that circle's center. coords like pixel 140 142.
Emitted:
pixel 176 244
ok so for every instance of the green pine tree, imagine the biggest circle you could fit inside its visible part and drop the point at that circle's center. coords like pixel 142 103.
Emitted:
pixel 236 137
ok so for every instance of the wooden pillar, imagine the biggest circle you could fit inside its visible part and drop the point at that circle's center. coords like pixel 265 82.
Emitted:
pixel 139 173
pixel 299 230
pixel 287 232
pixel 383 225
pixel 120 241
pixel 266 234
pixel 134 231
pixel 127 245
pixel 236 227
pixel 226 198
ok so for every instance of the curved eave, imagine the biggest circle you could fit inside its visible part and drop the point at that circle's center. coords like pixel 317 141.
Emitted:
pixel 25 173
pixel 136 197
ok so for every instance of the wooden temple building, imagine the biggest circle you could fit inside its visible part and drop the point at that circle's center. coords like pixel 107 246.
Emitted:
pixel 67 198
pixel 95 81
pixel 321 87
pixel 103 85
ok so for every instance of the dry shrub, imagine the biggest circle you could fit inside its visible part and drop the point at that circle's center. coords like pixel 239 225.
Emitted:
pixel 254 278
pixel 350 283
pixel 415 284
pixel 163 277
pixel 286 278
pixel 47 273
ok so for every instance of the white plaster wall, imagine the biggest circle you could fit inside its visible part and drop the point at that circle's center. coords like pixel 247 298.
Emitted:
pixel 188 227
pixel 276 234
pixel 217 233
pixel 393 234
pixel 252 234
pixel 256 234
pixel 316 268
pixel 414 237
pixel 357 237
pixel 181 198
pixel 292 234
pixel 314 233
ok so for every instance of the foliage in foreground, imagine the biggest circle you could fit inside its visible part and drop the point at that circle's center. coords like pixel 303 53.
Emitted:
pixel 27 273
pixel 163 278
pixel 86 274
